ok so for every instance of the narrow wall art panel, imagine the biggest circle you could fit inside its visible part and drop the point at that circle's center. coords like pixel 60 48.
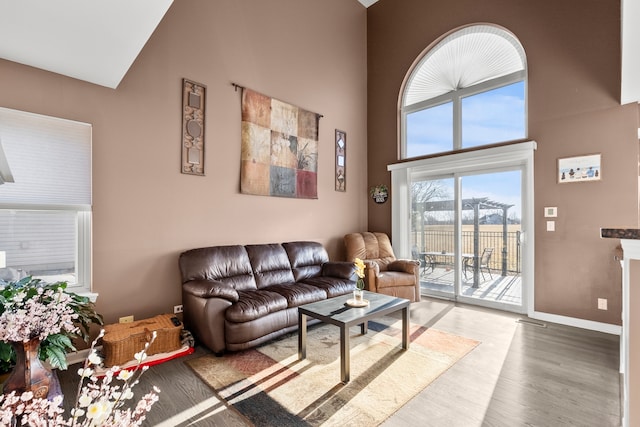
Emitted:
pixel 341 160
pixel 193 104
pixel 279 155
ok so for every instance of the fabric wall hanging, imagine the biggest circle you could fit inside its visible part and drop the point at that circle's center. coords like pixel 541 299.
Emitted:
pixel 279 148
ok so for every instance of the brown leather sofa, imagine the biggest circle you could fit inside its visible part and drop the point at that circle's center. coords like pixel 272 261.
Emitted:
pixel 236 297
pixel 383 272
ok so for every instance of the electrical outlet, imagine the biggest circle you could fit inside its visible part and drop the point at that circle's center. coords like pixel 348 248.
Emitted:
pixel 126 319
pixel 602 304
pixel 177 309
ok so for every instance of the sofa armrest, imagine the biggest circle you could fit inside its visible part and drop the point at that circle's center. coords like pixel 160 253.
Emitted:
pixel 404 265
pixel 210 289
pixel 340 269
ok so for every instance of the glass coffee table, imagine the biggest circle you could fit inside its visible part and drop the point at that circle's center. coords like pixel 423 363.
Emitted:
pixel 336 312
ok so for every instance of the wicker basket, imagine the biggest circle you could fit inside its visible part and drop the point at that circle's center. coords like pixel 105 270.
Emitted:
pixel 122 341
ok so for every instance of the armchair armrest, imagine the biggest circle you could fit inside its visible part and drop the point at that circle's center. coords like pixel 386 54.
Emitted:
pixel 404 265
pixel 371 271
pixel 210 289
pixel 371 267
pixel 340 269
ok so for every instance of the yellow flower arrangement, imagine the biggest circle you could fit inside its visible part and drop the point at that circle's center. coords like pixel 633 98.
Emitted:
pixel 360 273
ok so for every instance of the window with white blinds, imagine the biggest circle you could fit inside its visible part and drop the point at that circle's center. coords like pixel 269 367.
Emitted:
pixel 49 158
pixel 45 198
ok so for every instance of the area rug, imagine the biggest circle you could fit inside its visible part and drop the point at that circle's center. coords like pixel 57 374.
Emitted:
pixel 271 387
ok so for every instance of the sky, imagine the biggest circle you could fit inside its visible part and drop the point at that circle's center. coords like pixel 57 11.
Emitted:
pixel 500 187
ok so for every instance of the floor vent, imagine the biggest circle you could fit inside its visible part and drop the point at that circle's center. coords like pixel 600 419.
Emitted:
pixel 532 322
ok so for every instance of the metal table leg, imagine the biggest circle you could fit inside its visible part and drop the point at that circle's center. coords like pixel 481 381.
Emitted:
pixel 345 361
pixel 302 336
pixel 405 328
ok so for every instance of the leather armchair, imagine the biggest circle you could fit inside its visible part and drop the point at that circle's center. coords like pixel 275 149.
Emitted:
pixel 383 272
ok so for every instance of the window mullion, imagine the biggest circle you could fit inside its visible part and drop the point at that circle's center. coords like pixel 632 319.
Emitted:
pixel 457 122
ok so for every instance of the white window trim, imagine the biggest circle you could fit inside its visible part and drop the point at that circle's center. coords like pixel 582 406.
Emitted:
pixel 461 163
pixel 83 261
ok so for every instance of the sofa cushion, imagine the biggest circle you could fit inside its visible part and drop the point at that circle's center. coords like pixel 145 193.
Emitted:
pixel 270 265
pixel 226 264
pixel 306 258
pixel 333 286
pixel 254 304
pixel 299 293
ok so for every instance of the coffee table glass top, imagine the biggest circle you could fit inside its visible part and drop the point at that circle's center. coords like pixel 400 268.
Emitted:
pixel 335 310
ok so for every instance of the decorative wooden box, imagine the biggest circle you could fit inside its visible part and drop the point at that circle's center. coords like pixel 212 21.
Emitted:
pixel 122 341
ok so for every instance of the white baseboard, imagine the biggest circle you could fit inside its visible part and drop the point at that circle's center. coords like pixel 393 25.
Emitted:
pixel 607 328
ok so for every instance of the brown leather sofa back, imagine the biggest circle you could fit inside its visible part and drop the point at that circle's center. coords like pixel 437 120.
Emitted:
pixel 306 259
pixel 270 265
pixel 226 264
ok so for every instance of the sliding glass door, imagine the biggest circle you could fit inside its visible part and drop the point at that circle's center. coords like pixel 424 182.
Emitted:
pixel 465 217
pixel 465 231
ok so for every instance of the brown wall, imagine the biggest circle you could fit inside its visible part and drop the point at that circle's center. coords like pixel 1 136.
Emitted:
pixel 309 53
pixel 573 55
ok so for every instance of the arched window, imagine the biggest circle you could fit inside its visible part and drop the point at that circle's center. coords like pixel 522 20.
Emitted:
pixel 466 91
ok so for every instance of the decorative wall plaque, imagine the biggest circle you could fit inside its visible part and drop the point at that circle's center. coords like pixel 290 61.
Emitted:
pixel 341 160
pixel 193 104
pixel 379 193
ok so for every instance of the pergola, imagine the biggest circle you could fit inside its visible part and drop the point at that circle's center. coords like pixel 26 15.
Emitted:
pixel 475 204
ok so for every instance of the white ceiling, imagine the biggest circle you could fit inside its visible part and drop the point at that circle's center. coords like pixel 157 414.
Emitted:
pixel 97 41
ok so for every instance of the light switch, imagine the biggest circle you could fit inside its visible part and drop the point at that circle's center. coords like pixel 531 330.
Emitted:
pixel 551 226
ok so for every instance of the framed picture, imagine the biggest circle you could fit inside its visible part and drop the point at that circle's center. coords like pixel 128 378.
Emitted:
pixel 579 169
pixel 341 160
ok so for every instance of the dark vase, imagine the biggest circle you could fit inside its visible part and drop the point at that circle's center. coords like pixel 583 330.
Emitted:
pixel 28 374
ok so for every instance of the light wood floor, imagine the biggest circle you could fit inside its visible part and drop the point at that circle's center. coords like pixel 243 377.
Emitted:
pixel 520 375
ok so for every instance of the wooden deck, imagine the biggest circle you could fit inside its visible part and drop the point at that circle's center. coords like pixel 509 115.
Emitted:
pixel 502 289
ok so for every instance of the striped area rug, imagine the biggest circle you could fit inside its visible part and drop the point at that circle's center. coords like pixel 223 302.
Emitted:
pixel 271 387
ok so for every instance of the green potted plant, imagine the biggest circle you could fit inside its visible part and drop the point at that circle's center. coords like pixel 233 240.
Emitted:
pixel 31 308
